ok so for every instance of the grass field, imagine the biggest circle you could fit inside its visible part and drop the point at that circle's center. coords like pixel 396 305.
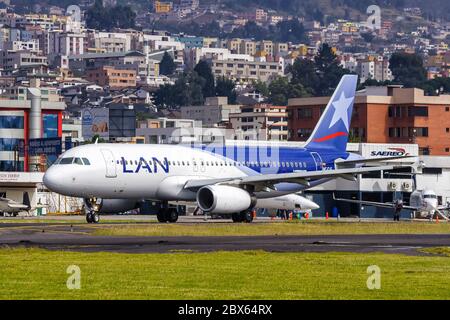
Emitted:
pixel 41 274
pixel 69 221
pixel 287 228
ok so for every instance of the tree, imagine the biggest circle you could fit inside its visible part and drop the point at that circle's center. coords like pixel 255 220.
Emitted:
pixel 261 88
pixel 167 66
pixel 289 31
pixel 437 86
pixel 226 88
pixel 99 17
pixel 408 69
pixel 95 15
pixel 204 70
pixel 304 72
pixel 186 91
pixel 329 70
pixel 321 76
pixel 281 90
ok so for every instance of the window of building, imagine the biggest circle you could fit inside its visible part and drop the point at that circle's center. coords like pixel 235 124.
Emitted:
pixel 394 132
pixel 432 170
pixel 11 122
pixel 11 166
pixel 401 173
pixel 10 144
pixel 419 132
pixel 304 113
pixel 304 133
pixel 419 111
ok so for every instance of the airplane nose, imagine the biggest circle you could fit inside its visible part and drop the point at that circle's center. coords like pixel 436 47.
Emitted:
pixel 312 205
pixel 51 179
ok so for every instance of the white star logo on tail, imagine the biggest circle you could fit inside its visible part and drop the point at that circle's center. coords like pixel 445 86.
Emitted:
pixel 341 110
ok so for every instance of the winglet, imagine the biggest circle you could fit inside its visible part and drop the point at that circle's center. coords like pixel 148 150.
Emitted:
pixel 332 130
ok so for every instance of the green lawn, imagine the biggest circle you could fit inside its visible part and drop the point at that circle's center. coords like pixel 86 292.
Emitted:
pixel 69 221
pixel 41 274
pixel 287 228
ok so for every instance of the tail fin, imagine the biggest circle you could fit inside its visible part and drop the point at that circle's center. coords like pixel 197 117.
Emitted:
pixel 26 200
pixel 332 130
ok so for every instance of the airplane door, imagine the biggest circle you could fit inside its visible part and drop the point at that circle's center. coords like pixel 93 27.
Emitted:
pixel 110 163
pixel 202 165
pixel 318 160
pixel 194 165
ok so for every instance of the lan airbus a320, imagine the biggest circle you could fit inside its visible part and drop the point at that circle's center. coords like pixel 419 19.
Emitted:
pixel 226 180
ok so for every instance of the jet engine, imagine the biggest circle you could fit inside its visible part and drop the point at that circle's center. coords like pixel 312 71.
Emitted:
pixel 110 206
pixel 224 199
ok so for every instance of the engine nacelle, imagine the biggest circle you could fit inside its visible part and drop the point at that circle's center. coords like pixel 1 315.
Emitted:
pixel 110 206
pixel 223 199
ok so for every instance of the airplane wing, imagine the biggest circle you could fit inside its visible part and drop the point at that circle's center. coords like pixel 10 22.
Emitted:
pixel 351 163
pixel 374 204
pixel 14 205
pixel 296 177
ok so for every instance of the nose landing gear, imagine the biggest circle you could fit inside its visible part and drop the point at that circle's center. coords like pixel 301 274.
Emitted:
pixel 92 207
pixel 92 217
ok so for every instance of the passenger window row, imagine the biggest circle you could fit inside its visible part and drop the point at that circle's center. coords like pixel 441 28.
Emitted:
pixel 267 164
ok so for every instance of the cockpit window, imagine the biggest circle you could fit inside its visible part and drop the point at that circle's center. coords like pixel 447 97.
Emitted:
pixel 86 162
pixel 430 196
pixel 78 161
pixel 66 161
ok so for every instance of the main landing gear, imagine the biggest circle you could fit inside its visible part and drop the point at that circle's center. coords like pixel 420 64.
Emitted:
pixel 243 216
pixel 92 217
pixel 167 214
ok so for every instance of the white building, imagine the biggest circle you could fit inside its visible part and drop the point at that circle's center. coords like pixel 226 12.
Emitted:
pixel 65 43
pixel 215 111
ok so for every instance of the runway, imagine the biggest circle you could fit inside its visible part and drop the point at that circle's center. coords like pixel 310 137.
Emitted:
pixel 79 238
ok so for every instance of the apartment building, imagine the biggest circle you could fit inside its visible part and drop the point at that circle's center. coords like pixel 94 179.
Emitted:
pixel 111 42
pixel 14 60
pixel 65 43
pixel 384 115
pixel 19 93
pixel 115 78
pixel 216 111
pixel 261 122
pixel 247 71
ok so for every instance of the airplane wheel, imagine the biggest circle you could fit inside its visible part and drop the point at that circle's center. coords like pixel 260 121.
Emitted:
pixel 89 218
pixel 95 218
pixel 247 216
pixel 172 215
pixel 236 217
pixel 162 216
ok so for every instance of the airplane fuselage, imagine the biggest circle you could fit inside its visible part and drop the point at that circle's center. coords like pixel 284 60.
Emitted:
pixel 159 172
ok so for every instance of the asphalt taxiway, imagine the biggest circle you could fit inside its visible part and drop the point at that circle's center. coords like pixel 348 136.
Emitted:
pixel 79 237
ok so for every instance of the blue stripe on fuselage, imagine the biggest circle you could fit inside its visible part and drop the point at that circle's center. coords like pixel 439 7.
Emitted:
pixel 294 159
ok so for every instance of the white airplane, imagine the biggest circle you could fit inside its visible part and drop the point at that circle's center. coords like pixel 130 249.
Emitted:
pixel 8 206
pixel 226 180
pixel 419 201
